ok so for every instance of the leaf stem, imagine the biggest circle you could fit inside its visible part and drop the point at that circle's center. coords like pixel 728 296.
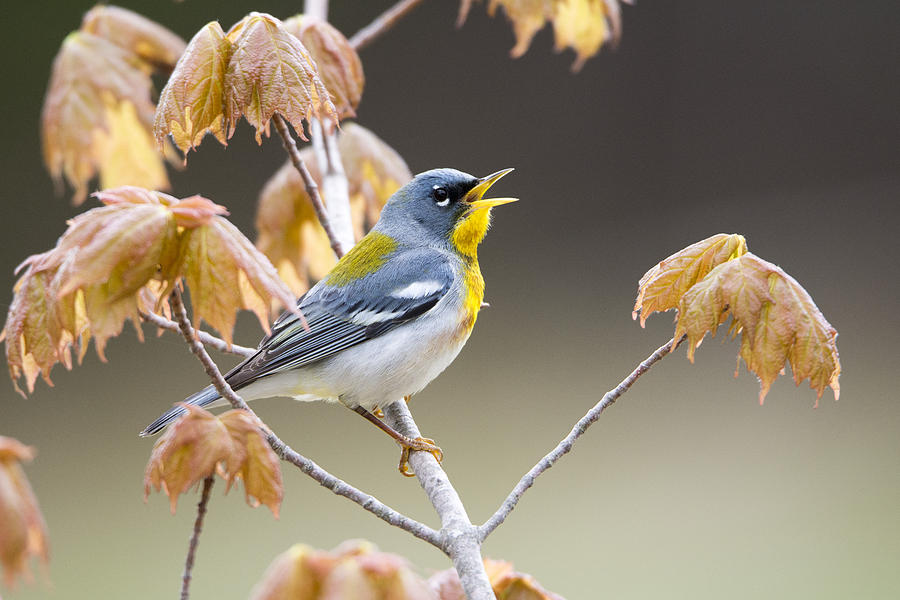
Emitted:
pixel 567 442
pixel 382 23
pixel 195 537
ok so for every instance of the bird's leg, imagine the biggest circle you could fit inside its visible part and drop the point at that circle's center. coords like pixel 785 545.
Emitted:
pixel 407 444
pixel 406 399
pixel 378 412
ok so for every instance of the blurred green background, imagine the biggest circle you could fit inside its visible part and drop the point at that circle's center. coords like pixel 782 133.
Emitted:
pixel 778 120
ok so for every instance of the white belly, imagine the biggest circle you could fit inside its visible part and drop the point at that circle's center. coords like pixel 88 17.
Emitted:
pixel 379 371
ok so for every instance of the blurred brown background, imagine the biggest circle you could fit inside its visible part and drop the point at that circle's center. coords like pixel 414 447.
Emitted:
pixel 777 120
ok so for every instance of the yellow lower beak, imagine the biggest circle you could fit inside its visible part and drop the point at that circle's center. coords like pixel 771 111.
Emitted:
pixel 475 195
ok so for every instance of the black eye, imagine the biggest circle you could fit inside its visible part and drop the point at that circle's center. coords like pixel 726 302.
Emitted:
pixel 441 195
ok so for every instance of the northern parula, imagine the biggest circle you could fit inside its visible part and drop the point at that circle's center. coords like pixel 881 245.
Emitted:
pixel 388 318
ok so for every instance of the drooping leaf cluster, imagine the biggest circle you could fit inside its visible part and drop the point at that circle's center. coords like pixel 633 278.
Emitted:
pixel 121 259
pixel 289 231
pixel 507 584
pixel 255 70
pixel 583 25
pixel 23 534
pixel 338 63
pixel 201 444
pixel 357 569
pixel 779 323
pixel 98 111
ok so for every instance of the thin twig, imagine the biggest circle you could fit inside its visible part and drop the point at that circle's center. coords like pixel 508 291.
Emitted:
pixel 461 541
pixel 566 444
pixel 195 537
pixel 285 452
pixel 208 339
pixel 312 188
pixel 382 23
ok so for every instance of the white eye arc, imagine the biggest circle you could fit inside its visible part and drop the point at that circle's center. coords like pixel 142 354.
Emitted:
pixel 441 196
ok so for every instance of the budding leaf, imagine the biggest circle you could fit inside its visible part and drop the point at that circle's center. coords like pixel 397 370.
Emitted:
pixel 149 41
pixel 188 452
pixel 98 109
pixel 289 231
pixel 356 569
pixel 583 25
pixel 192 103
pixel 226 273
pixel 338 63
pixel 662 287
pixel 253 461
pixel 124 258
pixel 23 533
pixel 270 71
pixel 506 583
pixel 778 321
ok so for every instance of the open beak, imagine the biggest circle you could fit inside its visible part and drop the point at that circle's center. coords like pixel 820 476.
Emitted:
pixel 475 195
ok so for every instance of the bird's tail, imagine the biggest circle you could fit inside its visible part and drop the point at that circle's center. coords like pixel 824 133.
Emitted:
pixel 204 397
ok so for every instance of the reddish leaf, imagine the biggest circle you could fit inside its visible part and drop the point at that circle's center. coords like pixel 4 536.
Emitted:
pixel 188 452
pixel 98 111
pixel 662 287
pixel 123 258
pixel 777 319
pixel 253 461
pixel 338 63
pixel 506 583
pixel 583 25
pixel 148 40
pixel 270 71
pixel 226 273
pixel 192 103
pixel 23 533
pixel 355 569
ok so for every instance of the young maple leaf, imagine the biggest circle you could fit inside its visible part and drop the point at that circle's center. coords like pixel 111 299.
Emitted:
pixel 338 63
pixel 226 273
pixel 778 321
pixel 200 444
pixel 270 71
pixel 662 287
pixel 23 533
pixel 124 258
pixel 583 25
pixel 98 110
pixel 355 569
pixel 253 461
pixel 192 103
pixel 506 583
pixel 289 232
pixel 152 43
pixel 188 452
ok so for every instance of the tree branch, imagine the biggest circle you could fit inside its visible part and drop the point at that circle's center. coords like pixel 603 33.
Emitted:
pixel 382 23
pixel 566 444
pixel 460 539
pixel 285 452
pixel 195 537
pixel 312 188
pixel 208 339
pixel 334 183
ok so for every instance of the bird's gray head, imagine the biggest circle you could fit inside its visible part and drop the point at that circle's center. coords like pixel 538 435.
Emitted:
pixel 441 206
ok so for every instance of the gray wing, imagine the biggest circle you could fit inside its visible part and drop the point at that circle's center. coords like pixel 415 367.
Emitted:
pixel 338 317
pixel 408 286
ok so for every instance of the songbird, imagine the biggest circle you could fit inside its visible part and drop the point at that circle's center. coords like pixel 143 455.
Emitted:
pixel 388 318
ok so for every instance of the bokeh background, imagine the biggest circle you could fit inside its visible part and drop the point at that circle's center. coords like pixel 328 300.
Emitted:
pixel 778 120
